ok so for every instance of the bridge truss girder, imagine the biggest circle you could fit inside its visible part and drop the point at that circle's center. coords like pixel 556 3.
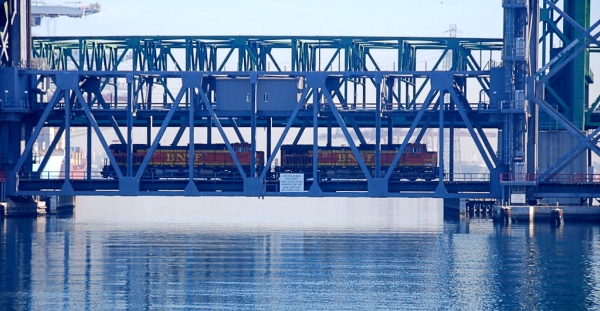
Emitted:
pixel 69 102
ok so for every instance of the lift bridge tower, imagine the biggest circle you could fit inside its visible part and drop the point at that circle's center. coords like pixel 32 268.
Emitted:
pixel 519 23
pixel 545 102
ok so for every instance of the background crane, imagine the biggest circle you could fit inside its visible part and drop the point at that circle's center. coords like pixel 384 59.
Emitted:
pixel 40 9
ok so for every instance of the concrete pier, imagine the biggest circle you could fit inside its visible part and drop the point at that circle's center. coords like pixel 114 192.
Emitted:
pixel 60 204
pixel 23 208
pixel 544 212
pixel 33 207
pixel 454 208
pixel 467 207
pixel 520 213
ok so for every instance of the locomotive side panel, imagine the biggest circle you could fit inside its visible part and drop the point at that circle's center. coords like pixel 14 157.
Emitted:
pixel 415 162
pixel 174 161
pixel 337 158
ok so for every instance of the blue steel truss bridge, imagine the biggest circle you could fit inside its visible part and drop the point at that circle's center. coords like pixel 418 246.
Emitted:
pixel 307 116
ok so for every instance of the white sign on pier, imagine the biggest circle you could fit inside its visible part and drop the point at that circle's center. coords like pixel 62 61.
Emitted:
pixel 289 182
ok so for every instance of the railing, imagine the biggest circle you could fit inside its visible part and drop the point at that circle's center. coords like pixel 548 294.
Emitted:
pixel 148 176
pixel 553 178
pixel 35 64
pixel 19 105
pixel 461 177
pixel 235 177
pixel 512 105
pixel 514 1
pixel 53 175
pixel 144 107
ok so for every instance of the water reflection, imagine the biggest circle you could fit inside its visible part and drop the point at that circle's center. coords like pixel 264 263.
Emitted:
pixel 346 254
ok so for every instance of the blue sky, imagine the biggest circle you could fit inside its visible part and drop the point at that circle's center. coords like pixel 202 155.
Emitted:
pixel 474 18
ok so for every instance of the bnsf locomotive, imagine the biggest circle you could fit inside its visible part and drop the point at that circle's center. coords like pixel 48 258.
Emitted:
pixel 333 162
pixel 339 162
pixel 173 161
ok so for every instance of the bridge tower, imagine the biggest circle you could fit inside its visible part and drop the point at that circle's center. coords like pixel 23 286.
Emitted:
pixel 15 54
pixel 564 88
pixel 545 109
pixel 516 18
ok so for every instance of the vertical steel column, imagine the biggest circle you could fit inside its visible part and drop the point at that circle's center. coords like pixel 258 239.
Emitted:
pixel 390 133
pixel 329 129
pixel 150 82
pixel 192 154
pixel 4 139
pixel 67 98
pixel 441 107
pixel 364 92
pixel 89 149
pixel 378 127
pixel 269 134
pixel 149 131
pixel 451 149
pixel 315 160
pixel 253 95
pixel 88 134
pixel 129 126
pixel 241 56
pixel 209 129
pixel 26 128
pixel 390 82
pixel 578 12
pixel 294 48
pixel 532 118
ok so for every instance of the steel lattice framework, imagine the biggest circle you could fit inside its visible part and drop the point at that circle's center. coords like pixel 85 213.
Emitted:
pixel 354 84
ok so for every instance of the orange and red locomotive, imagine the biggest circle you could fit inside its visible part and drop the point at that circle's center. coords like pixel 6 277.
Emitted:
pixel 340 162
pixel 173 161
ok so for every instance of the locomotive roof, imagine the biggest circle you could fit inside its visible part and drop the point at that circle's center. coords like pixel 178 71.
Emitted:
pixel 360 147
pixel 185 147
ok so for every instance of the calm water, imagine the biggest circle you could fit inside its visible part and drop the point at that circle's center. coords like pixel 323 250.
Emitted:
pixel 291 254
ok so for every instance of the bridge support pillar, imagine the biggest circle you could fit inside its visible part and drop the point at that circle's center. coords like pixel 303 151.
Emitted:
pixel 23 207
pixel 254 187
pixel 378 187
pixel 129 186
pixel 454 207
pixel 60 204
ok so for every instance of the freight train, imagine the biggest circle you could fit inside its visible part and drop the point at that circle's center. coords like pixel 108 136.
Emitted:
pixel 340 163
pixel 333 162
pixel 173 161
